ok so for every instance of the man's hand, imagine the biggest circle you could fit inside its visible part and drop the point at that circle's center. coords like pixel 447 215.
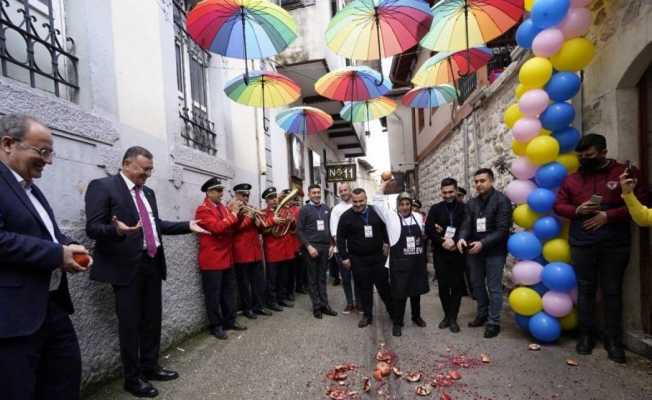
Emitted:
pixel 439 228
pixel 194 227
pixel 235 206
pixel 331 251
pixel 385 249
pixel 461 245
pixel 123 229
pixel 475 247
pixel 312 251
pixel 448 244
pixel 346 263
pixel 627 183
pixel 279 220
pixel 595 222
pixel 586 208
pixel 383 185
pixel 69 264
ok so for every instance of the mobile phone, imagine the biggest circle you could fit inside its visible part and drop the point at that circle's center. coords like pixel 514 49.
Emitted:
pixel 596 199
pixel 628 169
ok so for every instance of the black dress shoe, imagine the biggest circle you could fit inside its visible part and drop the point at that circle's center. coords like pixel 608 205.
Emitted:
pixel 364 322
pixel 160 374
pixel 291 297
pixel 477 322
pixel 262 311
pixel 285 304
pixel 274 307
pixel 235 327
pixel 249 314
pixel 317 314
pixel 329 311
pixel 396 330
pixel 301 291
pixel 337 281
pixel 491 331
pixel 418 321
pixel 453 326
pixel 219 333
pixel 615 351
pixel 444 323
pixel 140 388
pixel 584 344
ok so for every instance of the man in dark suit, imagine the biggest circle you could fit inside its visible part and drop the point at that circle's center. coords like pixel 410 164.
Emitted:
pixel 122 217
pixel 39 352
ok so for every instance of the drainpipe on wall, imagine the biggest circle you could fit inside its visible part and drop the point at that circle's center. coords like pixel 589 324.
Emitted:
pixel 465 137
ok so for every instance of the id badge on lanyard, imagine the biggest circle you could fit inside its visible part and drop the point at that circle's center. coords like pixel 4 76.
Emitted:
pixel 411 243
pixel 368 232
pixel 481 225
pixel 450 232
pixel 320 225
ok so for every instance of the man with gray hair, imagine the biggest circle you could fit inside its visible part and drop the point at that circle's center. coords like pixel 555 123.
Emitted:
pixel 39 351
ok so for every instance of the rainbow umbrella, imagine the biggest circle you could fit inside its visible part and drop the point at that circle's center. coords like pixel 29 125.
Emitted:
pixel 381 28
pixel 462 24
pixel 263 89
pixel 304 120
pixel 446 67
pixel 367 110
pixel 352 84
pixel 430 97
pixel 244 29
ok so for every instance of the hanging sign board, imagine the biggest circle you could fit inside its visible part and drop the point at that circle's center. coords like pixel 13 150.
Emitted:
pixel 341 173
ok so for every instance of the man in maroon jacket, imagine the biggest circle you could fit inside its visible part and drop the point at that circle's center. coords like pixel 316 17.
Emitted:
pixel 599 238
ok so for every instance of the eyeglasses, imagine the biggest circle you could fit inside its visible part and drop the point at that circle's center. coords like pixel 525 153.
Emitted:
pixel 46 154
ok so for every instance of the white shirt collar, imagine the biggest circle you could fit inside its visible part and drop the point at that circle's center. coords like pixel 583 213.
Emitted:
pixel 130 184
pixel 21 181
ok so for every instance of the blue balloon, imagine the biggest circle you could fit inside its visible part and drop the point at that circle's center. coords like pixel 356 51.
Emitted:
pixel 559 276
pixel 544 327
pixel 526 33
pixel 541 200
pixel 547 13
pixel 522 321
pixel 540 287
pixel 551 175
pixel 563 86
pixel 547 228
pixel 524 246
pixel 568 139
pixel 557 116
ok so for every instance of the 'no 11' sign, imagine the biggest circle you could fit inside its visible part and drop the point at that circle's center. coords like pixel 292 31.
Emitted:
pixel 340 173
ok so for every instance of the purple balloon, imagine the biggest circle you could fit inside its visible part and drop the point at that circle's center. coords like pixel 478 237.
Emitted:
pixel 557 304
pixel 577 23
pixel 527 273
pixel 519 189
pixel 533 102
pixel 548 42
pixel 522 168
pixel 526 129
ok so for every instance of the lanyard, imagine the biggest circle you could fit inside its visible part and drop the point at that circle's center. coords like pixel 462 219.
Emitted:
pixel 365 216
pixel 451 214
pixel 320 210
pixel 409 227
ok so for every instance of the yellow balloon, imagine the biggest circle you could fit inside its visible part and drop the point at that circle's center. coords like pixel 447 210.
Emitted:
pixel 570 161
pixel 536 72
pixel 520 149
pixel 569 322
pixel 525 301
pixel 542 150
pixel 574 55
pixel 557 250
pixel 520 90
pixel 527 4
pixel 524 216
pixel 512 114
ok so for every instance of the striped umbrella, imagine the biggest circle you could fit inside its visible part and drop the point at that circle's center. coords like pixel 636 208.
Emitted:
pixel 352 84
pixel 367 110
pixel 304 120
pixel 429 97
pixel 446 67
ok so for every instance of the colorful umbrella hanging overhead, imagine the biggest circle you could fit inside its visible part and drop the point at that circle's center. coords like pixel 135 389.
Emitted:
pixel 304 120
pixel 352 84
pixel 462 24
pixel 430 97
pixel 367 110
pixel 446 67
pixel 244 29
pixel 375 29
pixel 263 89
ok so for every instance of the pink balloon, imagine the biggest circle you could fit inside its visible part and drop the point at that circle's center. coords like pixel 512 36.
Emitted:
pixel 527 273
pixel 533 102
pixel 526 129
pixel 548 42
pixel 573 295
pixel 522 168
pixel 580 3
pixel 577 23
pixel 518 190
pixel 557 304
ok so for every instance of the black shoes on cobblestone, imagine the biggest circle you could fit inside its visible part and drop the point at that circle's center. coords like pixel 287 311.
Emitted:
pixel 285 304
pixel 161 374
pixel 337 281
pixel 291 297
pixel 477 322
pixel 249 314
pixel 364 322
pixel 235 327
pixel 262 311
pixel 317 314
pixel 491 331
pixel 329 311
pixel 584 344
pixel 453 326
pixel 140 388
pixel 444 323
pixel 615 351
pixel 219 333
pixel 396 330
pixel 274 307
pixel 418 321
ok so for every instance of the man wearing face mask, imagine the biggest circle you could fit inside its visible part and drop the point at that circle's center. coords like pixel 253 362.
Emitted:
pixel 599 238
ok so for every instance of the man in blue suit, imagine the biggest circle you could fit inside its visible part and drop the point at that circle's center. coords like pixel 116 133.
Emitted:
pixel 39 352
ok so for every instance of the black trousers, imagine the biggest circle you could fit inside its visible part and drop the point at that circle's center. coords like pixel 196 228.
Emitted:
pixel 317 271
pixel 138 306
pixel 370 271
pixel 297 274
pixel 45 365
pixel 251 285
pixel 219 294
pixel 450 269
pixel 277 281
pixel 603 266
pixel 399 309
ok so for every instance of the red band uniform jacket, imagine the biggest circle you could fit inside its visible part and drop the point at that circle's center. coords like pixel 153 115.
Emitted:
pixel 246 245
pixel 216 249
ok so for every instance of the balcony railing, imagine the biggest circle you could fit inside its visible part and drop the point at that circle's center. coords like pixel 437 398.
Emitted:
pixel 198 131
pixel 466 85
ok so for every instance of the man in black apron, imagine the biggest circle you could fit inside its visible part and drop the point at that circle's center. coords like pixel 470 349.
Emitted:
pixel 407 258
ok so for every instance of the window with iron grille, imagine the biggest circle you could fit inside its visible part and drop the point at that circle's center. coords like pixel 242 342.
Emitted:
pixel 34 48
pixel 466 86
pixel 197 130
pixel 294 4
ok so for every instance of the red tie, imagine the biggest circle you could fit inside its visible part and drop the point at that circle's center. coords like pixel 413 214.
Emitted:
pixel 150 239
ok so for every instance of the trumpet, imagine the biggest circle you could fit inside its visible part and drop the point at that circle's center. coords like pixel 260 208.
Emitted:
pixel 257 215
pixel 281 211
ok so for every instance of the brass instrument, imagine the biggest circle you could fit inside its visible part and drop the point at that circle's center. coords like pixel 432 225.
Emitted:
pixel 257 215
pixel 281 211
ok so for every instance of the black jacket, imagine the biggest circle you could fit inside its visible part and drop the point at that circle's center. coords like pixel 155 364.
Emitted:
pixel 497 208
pixel 350 235
pixel 439 214
pixel 116 256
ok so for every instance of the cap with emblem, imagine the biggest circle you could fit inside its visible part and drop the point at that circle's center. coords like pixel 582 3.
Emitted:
pixel 242 188
pixel 404 195
pixel 269 192
pixel 211 184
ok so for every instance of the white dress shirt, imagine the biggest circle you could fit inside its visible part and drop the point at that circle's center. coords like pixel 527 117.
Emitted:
pixel 132 189
pixel 55 278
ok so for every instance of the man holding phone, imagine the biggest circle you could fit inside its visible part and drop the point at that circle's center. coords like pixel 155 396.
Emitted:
pixel 599 238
